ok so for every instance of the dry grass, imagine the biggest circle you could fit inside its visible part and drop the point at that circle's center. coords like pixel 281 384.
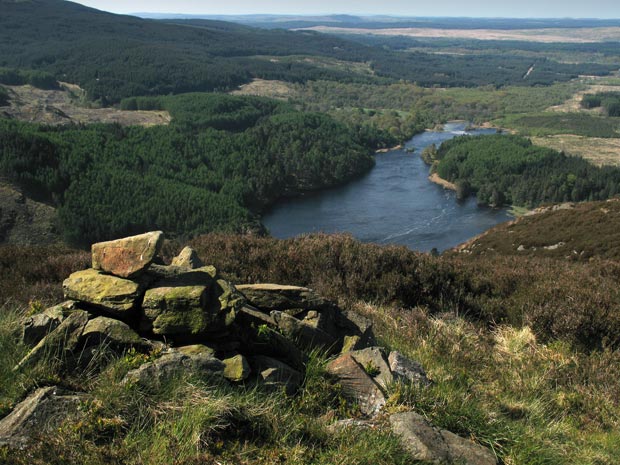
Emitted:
pixel 599 151
pixel 68 105
pixel 574 35
pixel 263 88
pixel 574 103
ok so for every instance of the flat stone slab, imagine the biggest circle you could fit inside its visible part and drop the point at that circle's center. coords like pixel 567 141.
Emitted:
pixel 114 295
pixel 268 297
pixel 357 385
pixel 129 256
pixel 374 362
pixel 41 412
pixel 428 443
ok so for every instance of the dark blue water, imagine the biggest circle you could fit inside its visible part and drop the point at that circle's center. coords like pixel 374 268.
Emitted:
pixel 394 203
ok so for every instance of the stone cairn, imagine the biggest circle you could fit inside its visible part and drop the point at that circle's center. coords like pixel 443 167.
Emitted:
pixel 203 324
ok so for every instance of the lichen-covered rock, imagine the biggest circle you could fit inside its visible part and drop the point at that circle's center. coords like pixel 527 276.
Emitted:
pixel 60 345
pixel 40 413
pixel 117 296
pixel 350 343
pixel 275 375
pixel 307 336
pixel 111 333
pixel 188 258
pixel 36 327
pixel 428 443
pixel 190 303
pixel 374 362
pixel 176 364
pixel 357 385
pixel 290 299
pixel 129 256
pixel 405 369
pixel 236 368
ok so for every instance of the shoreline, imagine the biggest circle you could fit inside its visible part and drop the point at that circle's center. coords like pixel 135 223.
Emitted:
pixel 434 178
pixel 397 147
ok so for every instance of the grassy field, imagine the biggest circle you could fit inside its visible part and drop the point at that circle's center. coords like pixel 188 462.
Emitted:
pixel 600 151
pixel 554 123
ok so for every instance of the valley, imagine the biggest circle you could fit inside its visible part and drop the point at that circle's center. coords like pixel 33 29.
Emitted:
pixel 314 298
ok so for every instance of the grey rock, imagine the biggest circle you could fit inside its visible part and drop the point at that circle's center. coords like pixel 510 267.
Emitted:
pixel 273 344
pixel 111 333
pixel 36 327
pixel 59 346
pixel 40 413
pixel 357 385
pixel 308 337
pixel 374 362
pixel 236 368
pixel 428 443
pixel 174 365
pixel 188 258
pixel 406 369
pixel 275 375
pixel 293 299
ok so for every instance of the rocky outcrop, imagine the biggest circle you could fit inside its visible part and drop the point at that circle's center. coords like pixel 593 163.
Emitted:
pixel 428 443
pixel 43 411
pixel 129 256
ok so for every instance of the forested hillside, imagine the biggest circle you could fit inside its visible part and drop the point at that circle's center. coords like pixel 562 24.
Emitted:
pixel 114 56
pixel 220 162
pixel 505 169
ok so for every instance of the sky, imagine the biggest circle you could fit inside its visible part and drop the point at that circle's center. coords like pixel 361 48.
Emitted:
pixel 473 8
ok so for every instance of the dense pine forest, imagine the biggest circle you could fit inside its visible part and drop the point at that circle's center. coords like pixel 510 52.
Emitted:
pixel 505 169
pixel 220 162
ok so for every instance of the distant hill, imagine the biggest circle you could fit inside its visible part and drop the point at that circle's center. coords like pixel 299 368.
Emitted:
pixel 577 232
pixel 115 56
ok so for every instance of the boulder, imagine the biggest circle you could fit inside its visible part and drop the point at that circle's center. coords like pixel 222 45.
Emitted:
pixel 36 327
pixel 111 333
pixel 374 362
pixel 129 256
pixel 275 375
pixel 117 296
pixel 307 336
pixel 190 303
pixel 60 345
pixel 428 443
pixel 357 385
pixel 188 258
pixel 40 413
pixel 236 368
pixel 289 299
pixel 176 364
pixel 405 369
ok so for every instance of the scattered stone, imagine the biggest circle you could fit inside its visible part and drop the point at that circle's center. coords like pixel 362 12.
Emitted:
pixel 60 345
pixel 236 368
pixel 374 362
pixel 117 296
pixel 188 258
pixel 405 369
pixel 357 385
pixel 41 412
pixel 275 375
pixel 129 256
pixel 348 423
pixel 431 444
pixel 289 299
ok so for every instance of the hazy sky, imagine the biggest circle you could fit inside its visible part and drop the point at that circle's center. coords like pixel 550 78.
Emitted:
pixel 475 8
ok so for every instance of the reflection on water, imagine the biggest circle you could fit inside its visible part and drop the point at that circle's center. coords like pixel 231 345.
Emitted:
pixel 394 203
